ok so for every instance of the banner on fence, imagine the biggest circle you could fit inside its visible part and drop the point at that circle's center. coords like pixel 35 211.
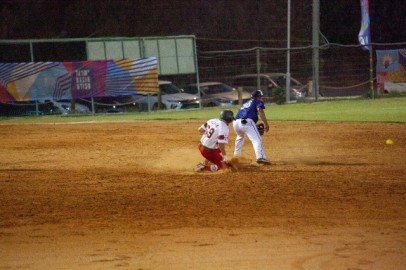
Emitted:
pixel 30 81
pixel 364 35
pixel 391 66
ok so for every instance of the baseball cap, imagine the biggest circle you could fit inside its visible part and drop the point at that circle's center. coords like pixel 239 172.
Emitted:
pixel 257 93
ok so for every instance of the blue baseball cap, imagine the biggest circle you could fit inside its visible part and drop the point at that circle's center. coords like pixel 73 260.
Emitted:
pixel 257 93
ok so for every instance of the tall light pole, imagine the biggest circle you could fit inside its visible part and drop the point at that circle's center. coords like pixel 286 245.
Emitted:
pixel 288 58
pixel 315 44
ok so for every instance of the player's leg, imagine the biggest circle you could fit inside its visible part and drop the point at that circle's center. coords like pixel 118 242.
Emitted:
pixel 256 140
pixel 239 140
pixel 201 166
pixel 213 162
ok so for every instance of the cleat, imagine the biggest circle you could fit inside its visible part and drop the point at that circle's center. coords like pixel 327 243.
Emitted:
pixel 263 161
pixel 199 167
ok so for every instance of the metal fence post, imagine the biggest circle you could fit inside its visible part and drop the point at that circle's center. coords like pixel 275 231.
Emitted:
pixel 258 61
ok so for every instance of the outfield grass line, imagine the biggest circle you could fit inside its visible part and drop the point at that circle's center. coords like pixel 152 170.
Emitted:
pixel 392 110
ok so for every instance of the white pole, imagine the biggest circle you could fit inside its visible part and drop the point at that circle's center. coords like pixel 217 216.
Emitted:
pixel 288 58
pixel 315 42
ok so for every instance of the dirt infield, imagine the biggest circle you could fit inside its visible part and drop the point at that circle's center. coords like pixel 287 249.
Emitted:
pixel 124 196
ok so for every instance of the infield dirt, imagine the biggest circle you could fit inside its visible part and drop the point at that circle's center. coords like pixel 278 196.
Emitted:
pixel 123 195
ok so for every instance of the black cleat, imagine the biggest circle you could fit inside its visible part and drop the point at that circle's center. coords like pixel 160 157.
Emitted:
pixel 263 161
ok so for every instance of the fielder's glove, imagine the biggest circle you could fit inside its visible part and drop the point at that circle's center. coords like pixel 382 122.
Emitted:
pixel 261 128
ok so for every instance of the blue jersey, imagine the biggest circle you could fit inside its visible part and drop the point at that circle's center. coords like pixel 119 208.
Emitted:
pixel 249 110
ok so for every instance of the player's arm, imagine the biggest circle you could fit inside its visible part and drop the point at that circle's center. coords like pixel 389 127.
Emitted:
pixel 222 141
pixel 222 147
pixel 263 118
pixel 202 128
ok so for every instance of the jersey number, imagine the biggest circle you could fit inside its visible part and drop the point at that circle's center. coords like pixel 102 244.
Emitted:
pixel 247 104
pixel 209 131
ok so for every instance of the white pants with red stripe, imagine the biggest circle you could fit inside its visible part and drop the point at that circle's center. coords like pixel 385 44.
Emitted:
pixel 250 130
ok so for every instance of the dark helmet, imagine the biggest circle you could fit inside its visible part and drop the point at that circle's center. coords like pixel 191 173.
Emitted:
pixel 227 115
pixel 257 93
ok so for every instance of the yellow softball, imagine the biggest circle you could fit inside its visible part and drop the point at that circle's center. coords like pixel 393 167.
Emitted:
pixel 389 141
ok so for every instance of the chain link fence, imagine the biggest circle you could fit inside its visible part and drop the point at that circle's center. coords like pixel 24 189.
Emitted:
pixel 344 70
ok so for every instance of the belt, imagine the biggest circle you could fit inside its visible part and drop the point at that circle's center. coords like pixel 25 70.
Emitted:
pixel 244 120
pixel 205 147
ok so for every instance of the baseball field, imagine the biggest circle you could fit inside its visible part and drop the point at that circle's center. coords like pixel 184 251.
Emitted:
pixel 122 194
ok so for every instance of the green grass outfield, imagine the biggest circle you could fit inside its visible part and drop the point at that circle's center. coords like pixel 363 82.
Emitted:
pixel 357 110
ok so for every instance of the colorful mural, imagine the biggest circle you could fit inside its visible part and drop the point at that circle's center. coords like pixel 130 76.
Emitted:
pixel 30 81
pixel 391 66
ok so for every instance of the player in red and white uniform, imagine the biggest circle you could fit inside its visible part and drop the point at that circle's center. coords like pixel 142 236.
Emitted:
pixel 213 141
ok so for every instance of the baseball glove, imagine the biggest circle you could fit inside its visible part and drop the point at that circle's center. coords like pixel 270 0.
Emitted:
pixel 261 128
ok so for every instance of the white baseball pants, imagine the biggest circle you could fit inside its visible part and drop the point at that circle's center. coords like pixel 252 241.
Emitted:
pixel 249 129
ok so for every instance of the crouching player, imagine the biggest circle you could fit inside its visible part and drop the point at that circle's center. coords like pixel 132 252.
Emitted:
pixel 213 141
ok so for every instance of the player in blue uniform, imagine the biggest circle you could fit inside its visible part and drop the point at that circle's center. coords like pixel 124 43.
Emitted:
pixel 245 124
